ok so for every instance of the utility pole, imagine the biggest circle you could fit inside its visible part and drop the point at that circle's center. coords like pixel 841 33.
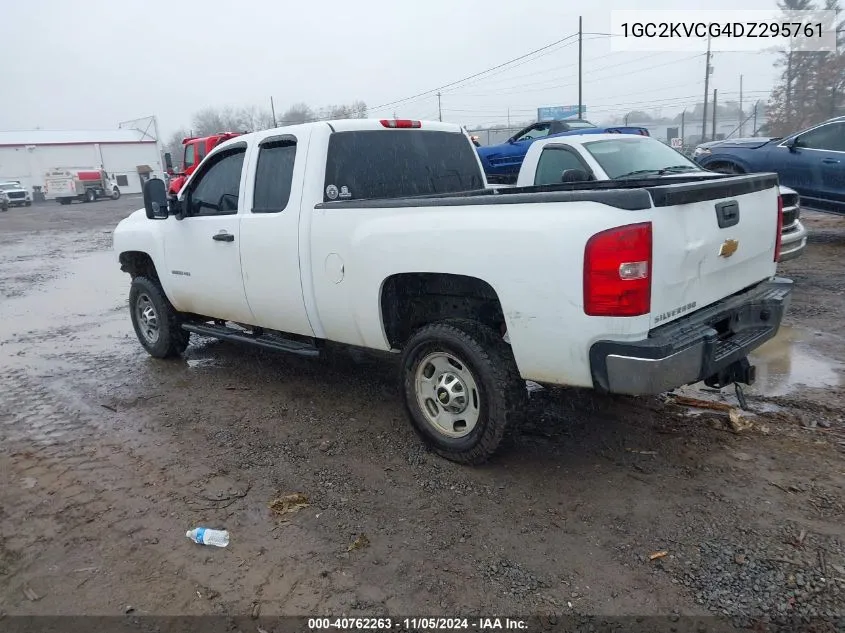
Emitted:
pixel 741 113
pixel 754 129
pixel 273 110
pixel 509 117
pixel 715 94
pixel 580 59
pixel 439 111
pixel 706 93
pixel 683 115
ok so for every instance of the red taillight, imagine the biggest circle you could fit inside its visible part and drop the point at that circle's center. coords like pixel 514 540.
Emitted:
pixel 617 272
pixel 400 123
pixel 779 227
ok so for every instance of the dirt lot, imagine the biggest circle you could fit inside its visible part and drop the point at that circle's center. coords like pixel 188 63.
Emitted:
pixel 108 456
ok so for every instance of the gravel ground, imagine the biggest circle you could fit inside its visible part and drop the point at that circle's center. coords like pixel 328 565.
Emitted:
pixel 108 456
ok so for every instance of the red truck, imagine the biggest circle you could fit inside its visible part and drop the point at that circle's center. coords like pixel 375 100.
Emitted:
pixel 195 150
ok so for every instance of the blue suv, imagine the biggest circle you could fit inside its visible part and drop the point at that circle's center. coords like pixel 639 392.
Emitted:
pixel 811 161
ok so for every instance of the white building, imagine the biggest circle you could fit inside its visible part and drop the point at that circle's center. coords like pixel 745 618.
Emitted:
pixel 129 156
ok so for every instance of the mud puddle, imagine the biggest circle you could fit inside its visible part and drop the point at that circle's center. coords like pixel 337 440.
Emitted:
pixel 54 320
pixel 792 361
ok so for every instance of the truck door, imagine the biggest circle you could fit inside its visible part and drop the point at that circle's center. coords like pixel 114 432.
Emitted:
pixel 202 250
pixel 270 234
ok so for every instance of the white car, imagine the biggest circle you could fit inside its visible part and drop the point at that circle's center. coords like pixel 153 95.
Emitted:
pixel 615 157
pixel 18 196
pixel 382 235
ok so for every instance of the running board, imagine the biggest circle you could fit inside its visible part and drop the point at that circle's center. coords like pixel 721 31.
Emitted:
pixel 267 341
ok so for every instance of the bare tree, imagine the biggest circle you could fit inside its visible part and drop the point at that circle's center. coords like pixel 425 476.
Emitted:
pixel 173 146
pixel 298 113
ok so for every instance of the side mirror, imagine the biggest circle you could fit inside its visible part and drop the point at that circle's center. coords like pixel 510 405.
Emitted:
pixel 511 141
pixel 155 199
pixel 168 162
pixel 574 175
pixel 792 143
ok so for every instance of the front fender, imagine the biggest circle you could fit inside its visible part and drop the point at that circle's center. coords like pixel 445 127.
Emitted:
pixel 137 233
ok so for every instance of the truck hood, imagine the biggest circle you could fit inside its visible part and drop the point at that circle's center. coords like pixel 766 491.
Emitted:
pixel 133 218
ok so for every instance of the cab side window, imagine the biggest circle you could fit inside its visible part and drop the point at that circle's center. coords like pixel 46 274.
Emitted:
pixel 274 176
pixel 553 162
pixel 216 190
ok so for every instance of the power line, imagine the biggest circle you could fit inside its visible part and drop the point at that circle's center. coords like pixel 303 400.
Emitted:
pixel 547 86
pixel 537 72
pixel 473 76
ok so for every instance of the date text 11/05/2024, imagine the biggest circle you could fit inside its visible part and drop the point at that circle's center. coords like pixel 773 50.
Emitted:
pixel 417 624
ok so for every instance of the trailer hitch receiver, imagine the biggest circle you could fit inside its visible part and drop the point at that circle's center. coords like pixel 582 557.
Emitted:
pixel 740 371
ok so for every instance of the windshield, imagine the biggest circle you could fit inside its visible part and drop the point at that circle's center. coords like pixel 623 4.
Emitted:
pixel 8 186
pixel 620 157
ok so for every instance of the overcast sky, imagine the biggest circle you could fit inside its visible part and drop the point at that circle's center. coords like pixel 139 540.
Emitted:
pixel 93 63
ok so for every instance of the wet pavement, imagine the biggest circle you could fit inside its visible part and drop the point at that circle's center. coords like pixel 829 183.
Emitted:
pixel 109 456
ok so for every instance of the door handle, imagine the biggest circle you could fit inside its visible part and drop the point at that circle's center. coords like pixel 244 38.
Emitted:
pixel 223 237
pixel 830 161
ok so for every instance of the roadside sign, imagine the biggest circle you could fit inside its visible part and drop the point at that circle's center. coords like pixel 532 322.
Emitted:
pixel 555 113
pixel 677 143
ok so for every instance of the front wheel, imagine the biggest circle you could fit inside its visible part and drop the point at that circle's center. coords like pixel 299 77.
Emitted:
pixel 115 194
pixel 155 320
pixel 461 389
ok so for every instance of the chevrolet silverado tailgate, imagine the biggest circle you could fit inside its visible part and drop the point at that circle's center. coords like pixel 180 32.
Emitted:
pixel 711 239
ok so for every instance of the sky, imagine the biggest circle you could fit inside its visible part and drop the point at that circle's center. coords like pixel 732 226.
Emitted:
pixel 91 64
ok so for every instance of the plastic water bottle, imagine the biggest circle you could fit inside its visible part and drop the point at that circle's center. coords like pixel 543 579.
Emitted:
pixel 206 536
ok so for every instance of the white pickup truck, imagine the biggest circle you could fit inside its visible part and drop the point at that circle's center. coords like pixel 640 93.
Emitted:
pixel 381 234
pixel 614 157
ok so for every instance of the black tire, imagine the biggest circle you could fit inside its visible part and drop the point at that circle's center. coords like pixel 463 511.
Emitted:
pixel 115 194
pixel 90 195
pixel 500 390
pixel 64 200
pixel 171 339
pixel 28 204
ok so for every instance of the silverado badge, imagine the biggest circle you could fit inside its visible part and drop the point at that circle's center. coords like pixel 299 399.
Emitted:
pixel 728 248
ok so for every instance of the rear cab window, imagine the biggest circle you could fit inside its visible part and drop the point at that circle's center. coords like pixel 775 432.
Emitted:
pixel 382 164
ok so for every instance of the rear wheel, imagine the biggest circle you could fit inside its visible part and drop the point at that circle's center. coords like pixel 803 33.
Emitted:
pixel 462 389
pixel 64 200
pixel 90 195
pixel 156 322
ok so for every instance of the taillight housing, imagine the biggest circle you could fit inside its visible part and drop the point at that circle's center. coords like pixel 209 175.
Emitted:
pixel 778 228
pixel 617 272
pixel 401 123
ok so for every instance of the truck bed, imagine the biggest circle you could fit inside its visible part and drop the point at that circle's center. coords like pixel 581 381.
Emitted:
pixel 633 195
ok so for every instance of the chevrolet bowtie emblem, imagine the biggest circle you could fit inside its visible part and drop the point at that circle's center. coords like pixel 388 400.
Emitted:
pixel 728 248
